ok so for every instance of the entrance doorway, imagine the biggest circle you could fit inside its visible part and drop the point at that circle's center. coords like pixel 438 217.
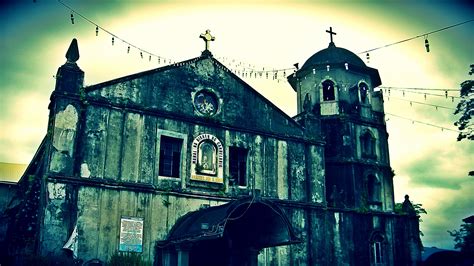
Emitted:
pixel 231 234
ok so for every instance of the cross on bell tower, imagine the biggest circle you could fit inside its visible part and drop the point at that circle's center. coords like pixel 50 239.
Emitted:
pixel 207 37
pixel 331 33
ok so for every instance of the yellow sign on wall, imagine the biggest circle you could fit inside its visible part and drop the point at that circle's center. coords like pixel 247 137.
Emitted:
pixel 207 178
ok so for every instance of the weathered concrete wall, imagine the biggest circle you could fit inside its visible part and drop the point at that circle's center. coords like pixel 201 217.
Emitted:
pixel 344 80
pixel 119 140
pixel 170 90
pixel 332 237
pixel 63 137
pixel 328 237
pixel 100 211
pixel 123 146
pixel 58 219
pixel 105 165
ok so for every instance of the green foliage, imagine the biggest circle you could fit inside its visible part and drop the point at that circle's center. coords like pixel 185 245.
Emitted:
pixel 418 208
pixel 127 259
pixel 464 238
pixel 465 107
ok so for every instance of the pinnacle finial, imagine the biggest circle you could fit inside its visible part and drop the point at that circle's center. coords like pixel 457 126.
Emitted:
pixel 72 54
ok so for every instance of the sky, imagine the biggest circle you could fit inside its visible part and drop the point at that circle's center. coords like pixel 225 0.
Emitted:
pixel 430 165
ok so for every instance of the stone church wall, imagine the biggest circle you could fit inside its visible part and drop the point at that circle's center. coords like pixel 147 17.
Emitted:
pixel 99 165
pixel 122 146
pixel 100 211
pixel 116 175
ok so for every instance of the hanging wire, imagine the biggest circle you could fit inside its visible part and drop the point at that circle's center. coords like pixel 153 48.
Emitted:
pixel 423 93
pixel 366 52
pixel 418 36
pixel 276 71
pixel 422 103
pixel 421 122
pixel 418 89
pixel 105 30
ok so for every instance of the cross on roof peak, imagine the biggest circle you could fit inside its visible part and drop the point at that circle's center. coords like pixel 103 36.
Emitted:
pixel 331 33
pixel 207 37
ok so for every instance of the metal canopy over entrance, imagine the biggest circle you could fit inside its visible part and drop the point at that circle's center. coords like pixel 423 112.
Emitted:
pixel 229 234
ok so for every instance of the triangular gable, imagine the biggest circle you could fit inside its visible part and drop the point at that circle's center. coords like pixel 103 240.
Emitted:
pixel 169 91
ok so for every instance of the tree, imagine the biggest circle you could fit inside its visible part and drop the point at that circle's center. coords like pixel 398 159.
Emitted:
pixel 465 107
pixel 464 238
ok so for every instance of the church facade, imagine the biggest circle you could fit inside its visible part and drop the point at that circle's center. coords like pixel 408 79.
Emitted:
pixel 188 165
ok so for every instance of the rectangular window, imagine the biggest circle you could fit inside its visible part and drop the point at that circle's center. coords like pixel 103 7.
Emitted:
pixel 170 156
pixel 238 166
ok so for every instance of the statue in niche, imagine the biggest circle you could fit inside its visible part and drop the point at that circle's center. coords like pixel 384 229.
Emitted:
pixel 407 207
pixel 207 158
pixel 307 103
pixel 337 199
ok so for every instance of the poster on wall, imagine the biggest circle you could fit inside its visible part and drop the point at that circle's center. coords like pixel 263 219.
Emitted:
pixel 131 234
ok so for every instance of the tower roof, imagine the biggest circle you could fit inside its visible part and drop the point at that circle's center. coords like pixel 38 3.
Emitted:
pixel 334 55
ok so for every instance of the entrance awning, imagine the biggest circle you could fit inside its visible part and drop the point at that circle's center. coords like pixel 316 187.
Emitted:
pixel 248 221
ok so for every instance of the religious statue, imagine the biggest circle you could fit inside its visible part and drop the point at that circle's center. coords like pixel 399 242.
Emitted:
pixel 207 158
pixel 307 103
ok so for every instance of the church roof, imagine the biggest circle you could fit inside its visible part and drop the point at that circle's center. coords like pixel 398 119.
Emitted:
pixel 150 91
pixel 332 55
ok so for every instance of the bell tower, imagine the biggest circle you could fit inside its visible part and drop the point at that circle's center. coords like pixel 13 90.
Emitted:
pixel 336 86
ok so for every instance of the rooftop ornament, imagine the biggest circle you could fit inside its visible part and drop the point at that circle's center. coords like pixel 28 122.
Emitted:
pixel 207 37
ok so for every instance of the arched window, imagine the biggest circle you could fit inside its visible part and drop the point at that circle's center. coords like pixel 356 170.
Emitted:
pixel 367 143
pixel 364 90
pixel 377 257
pixel 373 189
pixel 328 91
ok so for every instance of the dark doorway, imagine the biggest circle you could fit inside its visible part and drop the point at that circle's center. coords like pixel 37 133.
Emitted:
pixel 231 234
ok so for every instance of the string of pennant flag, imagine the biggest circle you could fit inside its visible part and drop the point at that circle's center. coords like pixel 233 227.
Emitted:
pixel 238 67
pixel 246 70
pixel 114 37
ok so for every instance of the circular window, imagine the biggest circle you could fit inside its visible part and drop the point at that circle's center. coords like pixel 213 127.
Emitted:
pixel 206 103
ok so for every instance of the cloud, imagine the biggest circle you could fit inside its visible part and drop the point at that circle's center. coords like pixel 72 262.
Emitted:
pixel 446 212
pixel 23 124
pixel 437 170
